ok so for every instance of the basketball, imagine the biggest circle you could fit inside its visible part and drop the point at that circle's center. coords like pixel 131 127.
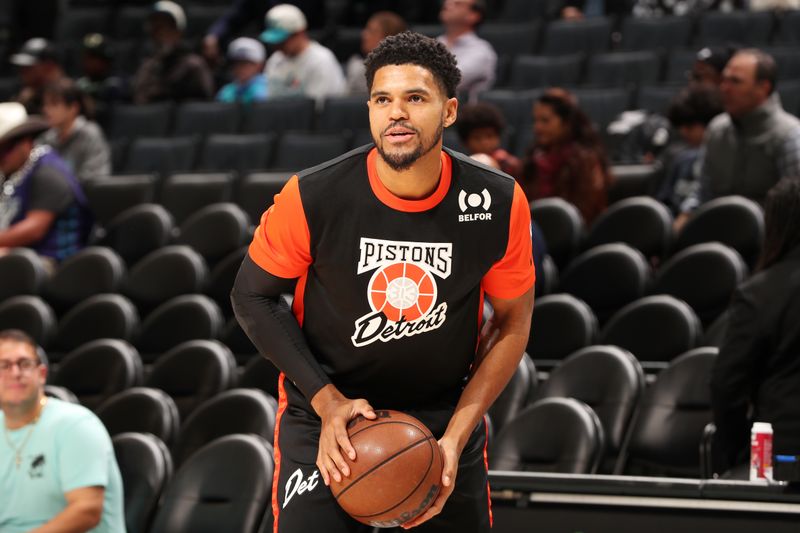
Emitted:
pixel 397 472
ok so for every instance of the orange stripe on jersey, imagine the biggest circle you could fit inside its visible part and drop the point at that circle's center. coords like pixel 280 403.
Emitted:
pixel 281 243
pixel 514 274
pixel 298 306
pixel 282 404
pixel 486 464
pixel 401 204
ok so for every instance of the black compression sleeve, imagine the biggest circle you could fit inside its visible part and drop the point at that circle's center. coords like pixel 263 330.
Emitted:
pixel 273 328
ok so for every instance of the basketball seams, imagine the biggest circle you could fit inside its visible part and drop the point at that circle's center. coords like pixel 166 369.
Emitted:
pixel 384 422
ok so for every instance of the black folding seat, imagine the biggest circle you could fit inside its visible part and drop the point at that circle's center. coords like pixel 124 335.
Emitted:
pixel 111 196
pixel 297 151
pixel 560 435
pixel 225 486
pixel 185 194
pixel 257 190
pixel 162 155
pixel 104 316
pixel 260 373
pixel 145 465
pixel 603 105
pixel 516 10
pixel 704 276
pixel 240 153
pixel 141 410
pixel 30 314
pixel 516 105
pixel 610 381
pixel 546 276
pixel 215 231
pixel 515 395
pixel 9 87
pixel 790 96
pixel 655 33
pixel 278 115
pixel 655 329
pixel 92 271
pixel 511 38
pixel 249 411
pixel 98 370
pixel 343 113
pixel 181 319
pixel 562 226
pixel 640 222
pixel 168 272
pixel 535 71
pixel 75 22
pixel 205 118
pixel 573 36
pixel 666 433
pixel 220 281
pixel 561 324
pixel 133 121
pixel 192 372
pixel 54 391
pixel 631 180
pixel 714 334
pixel 742 27
pixel 656 98
pixel 607 277
pixel 731 220
pixel 129 22
pixel 21 272
pixel 201 17
pixel 788 32
pixel 137 231
pixel 619 69
pixel 429 30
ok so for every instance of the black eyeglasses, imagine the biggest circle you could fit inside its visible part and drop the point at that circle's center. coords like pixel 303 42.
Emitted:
pixel 24 365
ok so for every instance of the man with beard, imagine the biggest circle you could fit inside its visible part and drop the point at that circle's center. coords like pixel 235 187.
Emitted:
pixel 389 251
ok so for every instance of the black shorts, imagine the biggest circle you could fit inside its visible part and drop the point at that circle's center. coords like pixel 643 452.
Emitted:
pixel 301 503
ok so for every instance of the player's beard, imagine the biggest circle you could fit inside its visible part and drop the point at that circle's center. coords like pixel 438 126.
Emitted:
pixel 403 161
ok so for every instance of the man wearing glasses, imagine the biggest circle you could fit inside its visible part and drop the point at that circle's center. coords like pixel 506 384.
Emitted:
pixel 57 466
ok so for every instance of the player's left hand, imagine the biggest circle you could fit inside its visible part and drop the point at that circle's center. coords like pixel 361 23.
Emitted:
pixel 450 453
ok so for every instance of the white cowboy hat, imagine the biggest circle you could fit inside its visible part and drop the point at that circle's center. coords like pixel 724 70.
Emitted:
pixel 15 122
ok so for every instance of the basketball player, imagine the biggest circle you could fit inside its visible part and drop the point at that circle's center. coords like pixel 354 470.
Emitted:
pixel 389 251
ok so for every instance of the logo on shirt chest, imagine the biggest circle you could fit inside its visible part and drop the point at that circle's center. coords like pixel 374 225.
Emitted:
pixel 474 206
pixel 402 292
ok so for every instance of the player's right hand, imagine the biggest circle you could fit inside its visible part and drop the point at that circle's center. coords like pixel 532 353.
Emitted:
pixel 336 411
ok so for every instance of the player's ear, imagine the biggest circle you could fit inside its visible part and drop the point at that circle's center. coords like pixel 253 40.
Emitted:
pixel 450 112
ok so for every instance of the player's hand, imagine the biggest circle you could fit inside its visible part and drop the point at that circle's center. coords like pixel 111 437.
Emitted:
pixel 336 411
pixel 450 453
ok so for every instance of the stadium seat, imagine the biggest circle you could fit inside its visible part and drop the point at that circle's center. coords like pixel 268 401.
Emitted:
pixel 560 435
pixel 511 38
pixel 655 33
pixel 278 115
pixel 220 281
pixel 656 98
pixel 257 190
pixel 715 333
pixel 607 277
pixel 133 121
pixel 752 28
pixel 704 276
pixel 561 324
pixel 562 226
pixel 146 466
pixel 609 380
pixel 137 231
pixel 788 61
pixel 181 319
pixel 199 18
pixel 111 196
pixel 515 395
pixel 206 118
pixel 163 274
pixel 60 393
pixel 516 10
pixel 343 113
pixel 603 105
pixel 655 329
pixel 141 410
pixel 679 64
pixel 516 105
pixel 104 316
pixel 640 222
pixel 215 231
pixel 249 411
pixel 732 220
pixel 240 153
pixel 129 22
pixel 75 22
pixel 21 272
pixel 666 434
pixel 162 155
pixel 99 369
pixel 225 486
pixel 788 32
pixel 619 69
pixel 298 151
pixel 260 373
pixel 185 194
pixel 535 71
pixel 546 276
pixel 30 314
pixel 790 96
pixel 574 36
pixel 92 271
pixel 631 180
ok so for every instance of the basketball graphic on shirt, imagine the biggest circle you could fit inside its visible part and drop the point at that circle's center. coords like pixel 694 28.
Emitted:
pixel 402 291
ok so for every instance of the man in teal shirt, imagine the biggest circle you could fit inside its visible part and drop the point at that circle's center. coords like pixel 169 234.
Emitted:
pixel 57 466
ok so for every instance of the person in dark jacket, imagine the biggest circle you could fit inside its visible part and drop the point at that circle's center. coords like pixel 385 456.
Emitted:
pixel 756 377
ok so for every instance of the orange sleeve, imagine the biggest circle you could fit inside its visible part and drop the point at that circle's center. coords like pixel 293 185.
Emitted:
pixel 281 243
pixel 514 274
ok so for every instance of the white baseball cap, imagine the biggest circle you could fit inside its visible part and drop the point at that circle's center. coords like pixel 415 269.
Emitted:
pixel 246 49
pixel 173 10
pixel 282 22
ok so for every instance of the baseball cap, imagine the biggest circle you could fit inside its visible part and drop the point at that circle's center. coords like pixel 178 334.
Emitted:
pixel 97 45
pixel 34 51
pixel 173 10
pixel 716 57
pixel 246 49
pixel 283 21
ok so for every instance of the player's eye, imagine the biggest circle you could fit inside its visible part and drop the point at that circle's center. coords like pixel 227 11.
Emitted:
pixel 415 98
pixel 381 100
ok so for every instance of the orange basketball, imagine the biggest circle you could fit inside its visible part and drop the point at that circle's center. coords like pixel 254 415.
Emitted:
pixel 402 290
pixel 397 472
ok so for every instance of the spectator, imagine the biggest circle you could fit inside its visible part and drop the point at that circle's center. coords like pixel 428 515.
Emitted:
pixel 567 159
pixel 689 114
pixel 756 376
pixel 476 58
pixel 578 9
pixel 379 26
pixel 38 65
pixel 42 205
pixel 249 84
pixel 78 140
pixel 58 471
pixel 299 66
pixel 709 64
pixel 172 72
pixel 754 143
pixel 666 8
pixel 98 81
pixel 774 5
pixel 480 127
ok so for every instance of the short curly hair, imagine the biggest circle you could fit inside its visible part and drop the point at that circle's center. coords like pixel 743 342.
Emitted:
pixel 476 116
pixel 415 49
